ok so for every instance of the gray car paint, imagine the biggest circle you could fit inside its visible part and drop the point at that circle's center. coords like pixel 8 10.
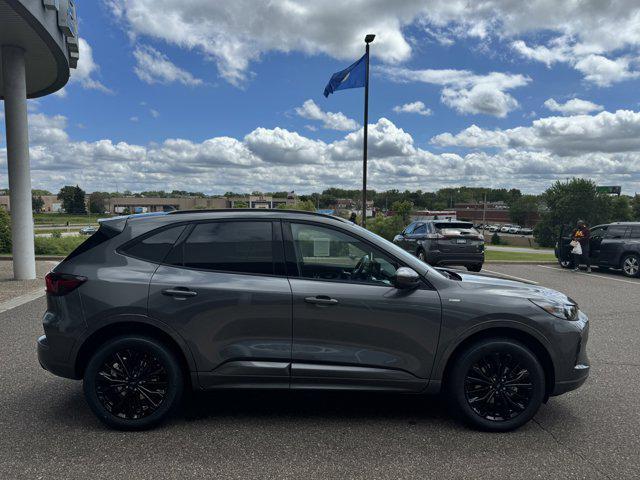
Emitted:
pixel 252 330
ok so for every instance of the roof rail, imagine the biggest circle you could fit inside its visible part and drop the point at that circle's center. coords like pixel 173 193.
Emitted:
pixel 254 210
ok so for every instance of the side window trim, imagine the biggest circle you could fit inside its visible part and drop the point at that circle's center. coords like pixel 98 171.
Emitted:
pixel 122 249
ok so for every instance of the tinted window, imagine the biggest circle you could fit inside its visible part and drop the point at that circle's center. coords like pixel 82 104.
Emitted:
pixel 325 253
pixel 598 232
pixel 409 229
pixel 616 231
pixel 420 229
pixel 244 247
pixel 155 247
pixel 93 241
pixel 635 232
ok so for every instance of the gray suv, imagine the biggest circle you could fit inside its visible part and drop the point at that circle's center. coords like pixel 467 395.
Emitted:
pixel 152 304
pixel 444 242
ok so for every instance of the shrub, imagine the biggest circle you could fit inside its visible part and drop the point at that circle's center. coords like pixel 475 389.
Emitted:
pixel 5 232
pixel 56 234
pixel 386 227
pixel 57 246
pixel 495 239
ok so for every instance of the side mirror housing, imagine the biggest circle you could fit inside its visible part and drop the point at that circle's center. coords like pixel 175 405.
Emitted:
pixel 406 278
pixel 399 237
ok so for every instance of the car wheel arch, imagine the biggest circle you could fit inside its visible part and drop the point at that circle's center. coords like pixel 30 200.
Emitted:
pixel 138 325
pixel 534 342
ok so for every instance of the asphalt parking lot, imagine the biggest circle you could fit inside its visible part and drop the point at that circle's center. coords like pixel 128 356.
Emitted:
pixel 47 430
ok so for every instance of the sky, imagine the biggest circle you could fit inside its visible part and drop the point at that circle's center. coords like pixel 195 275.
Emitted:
pixel 228 96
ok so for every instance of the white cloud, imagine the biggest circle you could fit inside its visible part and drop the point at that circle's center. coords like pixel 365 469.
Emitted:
pixel 465 91
pixel 153 66
pixel 575 106
pixel 235 34
pixel 86 70
pixel 603 71
pixel 134 119
pixel 330 120
pixel 154 113
pixel 604 147
pixel 413 107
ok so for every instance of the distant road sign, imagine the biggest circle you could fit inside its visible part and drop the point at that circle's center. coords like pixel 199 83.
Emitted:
pixel 611 190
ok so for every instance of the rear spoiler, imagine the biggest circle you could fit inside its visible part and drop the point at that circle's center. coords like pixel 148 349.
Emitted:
pixel 114 225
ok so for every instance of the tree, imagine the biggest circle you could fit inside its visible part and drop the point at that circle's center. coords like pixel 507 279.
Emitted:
pixel 97 202
pixel 5 231
pixel 72 199
pixel 621 210
pixel 635 207
pixel 568 202
pixel 403 209
pixel 523 209
pixel 37 203
pixel 386 227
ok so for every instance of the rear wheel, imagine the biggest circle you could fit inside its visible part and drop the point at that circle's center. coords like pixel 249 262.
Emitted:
pixel 476 267
pixel 565 263
pixel 133 383
pixel 496 384
pixel 631 265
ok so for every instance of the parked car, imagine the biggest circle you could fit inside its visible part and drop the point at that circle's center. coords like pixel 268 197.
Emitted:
pixel 525 231
pixel 505 228
pixel 153 304
pixel 514 229
pixel 494 228
pixel 439 242
pixel 89 230
pixel 614 245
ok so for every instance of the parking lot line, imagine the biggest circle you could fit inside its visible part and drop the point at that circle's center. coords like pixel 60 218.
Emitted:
pixel 590 275
pixel 520 279
pixel 21 300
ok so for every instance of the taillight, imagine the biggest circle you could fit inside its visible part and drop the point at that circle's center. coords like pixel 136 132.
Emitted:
pixel 58 284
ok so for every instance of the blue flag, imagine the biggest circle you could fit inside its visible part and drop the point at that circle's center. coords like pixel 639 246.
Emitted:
pixel 351 77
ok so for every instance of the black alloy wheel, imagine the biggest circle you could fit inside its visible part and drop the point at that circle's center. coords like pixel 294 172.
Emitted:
pixel 496 384
pixel 498 387
pixel 133 383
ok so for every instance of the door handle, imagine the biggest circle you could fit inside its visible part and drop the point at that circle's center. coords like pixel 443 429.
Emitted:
pixel 321 300
pixel 179 292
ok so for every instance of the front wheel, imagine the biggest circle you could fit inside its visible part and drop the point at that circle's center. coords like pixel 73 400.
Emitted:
pixel 496 384
pixel 631 265
pixel 565 263
pixel 133 383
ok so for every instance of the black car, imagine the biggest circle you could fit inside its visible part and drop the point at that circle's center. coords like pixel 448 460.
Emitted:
pixel 447 242
pixel 614 245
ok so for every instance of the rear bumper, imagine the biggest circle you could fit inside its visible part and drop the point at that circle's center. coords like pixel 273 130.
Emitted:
pixel 449 258
pixel 49 362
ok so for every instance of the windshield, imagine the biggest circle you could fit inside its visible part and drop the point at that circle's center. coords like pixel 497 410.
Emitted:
pixel 397 251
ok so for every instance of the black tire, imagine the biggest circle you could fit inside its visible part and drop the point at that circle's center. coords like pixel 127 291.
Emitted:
pixel 630 265
pixel 476 267
pixel 133 383
pixel 507 404
pixel 565 263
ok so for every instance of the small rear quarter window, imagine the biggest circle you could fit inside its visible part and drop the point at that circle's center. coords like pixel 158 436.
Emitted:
pixel 154 247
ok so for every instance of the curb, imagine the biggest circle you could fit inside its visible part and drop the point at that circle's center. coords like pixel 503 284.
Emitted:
pixel 521 262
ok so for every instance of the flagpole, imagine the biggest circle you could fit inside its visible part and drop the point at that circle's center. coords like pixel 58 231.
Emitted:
pixel 367 39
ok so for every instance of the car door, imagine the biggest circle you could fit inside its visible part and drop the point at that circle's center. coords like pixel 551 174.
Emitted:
pixel 351 326
pixel 611 245
pixel 596 235
pixel 223 287
pixel 418 232
pixel 401 239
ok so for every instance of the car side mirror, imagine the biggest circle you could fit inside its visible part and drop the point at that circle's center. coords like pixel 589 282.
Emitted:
pixel 397 238
pixel 406 278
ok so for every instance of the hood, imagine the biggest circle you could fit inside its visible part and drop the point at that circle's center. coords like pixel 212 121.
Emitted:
pixel 512 288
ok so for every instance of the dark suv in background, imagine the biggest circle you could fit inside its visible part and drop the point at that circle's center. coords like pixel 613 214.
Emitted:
pixel 447 242
pixel 153 304
pixel 614 245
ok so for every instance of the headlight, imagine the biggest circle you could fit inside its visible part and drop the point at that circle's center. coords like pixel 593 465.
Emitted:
pixel 566 311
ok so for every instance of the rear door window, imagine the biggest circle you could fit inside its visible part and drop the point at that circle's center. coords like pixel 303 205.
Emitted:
pixel 635 232
pixel 229 246
pixel 420 229
pixel 616 231
pixel 155 246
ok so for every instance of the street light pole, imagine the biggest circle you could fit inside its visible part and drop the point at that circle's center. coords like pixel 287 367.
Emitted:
pixel 367 39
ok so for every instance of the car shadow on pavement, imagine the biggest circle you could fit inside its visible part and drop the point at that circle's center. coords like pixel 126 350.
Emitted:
pixel 313 404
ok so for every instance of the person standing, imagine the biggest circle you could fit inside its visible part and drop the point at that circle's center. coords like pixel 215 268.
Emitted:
pixel 582 235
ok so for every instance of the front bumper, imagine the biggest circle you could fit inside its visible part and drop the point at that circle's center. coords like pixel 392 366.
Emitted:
pixel 51 363
pixel 574 374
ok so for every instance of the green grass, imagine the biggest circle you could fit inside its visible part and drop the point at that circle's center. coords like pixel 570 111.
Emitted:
pixel 57 246
pixel 61 230
pixel 500 256
pixel 63 218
